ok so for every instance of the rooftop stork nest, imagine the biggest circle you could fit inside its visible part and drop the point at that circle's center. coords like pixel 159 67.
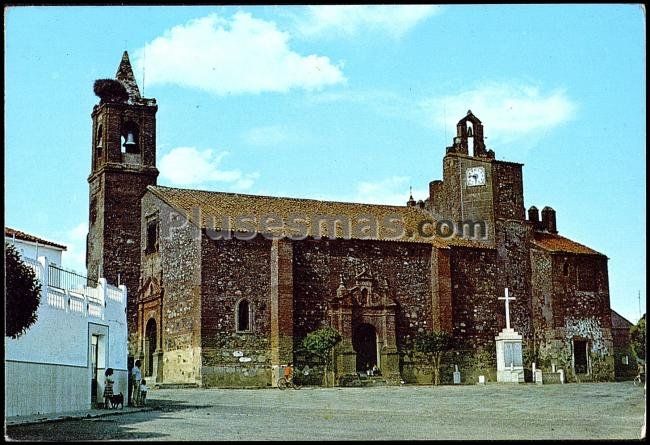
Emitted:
pixel 110 90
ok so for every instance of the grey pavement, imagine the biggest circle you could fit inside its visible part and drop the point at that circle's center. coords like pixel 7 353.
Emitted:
pixel 493 411
pixel 72 415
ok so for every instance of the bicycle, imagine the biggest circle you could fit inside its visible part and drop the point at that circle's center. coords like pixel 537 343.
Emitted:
pixel 639 379
pixel 284 383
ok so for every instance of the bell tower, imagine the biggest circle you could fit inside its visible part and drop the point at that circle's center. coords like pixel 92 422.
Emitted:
pixel 477 190
pixel 123 165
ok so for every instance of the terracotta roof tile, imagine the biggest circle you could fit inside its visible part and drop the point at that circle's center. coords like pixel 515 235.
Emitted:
pixel 221 204
pixel 556 243
pixel 10 233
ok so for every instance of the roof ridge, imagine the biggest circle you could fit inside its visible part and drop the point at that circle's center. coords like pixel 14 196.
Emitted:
pixel 282 197
pixel 24 236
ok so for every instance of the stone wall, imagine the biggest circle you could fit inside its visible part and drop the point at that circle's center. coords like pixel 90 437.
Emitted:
pixel 233 270
pixel 513 260
pixel 177 265
pixel 508 190
pixel 477 313
pixel 402 267
pixel 571 302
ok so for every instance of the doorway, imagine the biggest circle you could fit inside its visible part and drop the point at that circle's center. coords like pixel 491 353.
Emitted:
pixel 150 346
pixel 580 362
pixel 364 341
pixel 94 359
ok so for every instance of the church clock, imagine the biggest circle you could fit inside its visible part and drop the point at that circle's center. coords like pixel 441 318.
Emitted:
pixel 475 176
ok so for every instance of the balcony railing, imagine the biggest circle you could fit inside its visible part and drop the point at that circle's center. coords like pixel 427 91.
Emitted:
pixel 66 279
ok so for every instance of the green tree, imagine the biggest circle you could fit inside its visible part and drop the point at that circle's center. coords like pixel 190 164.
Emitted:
pixel 22 294
pixel 321 343
pixel 638 338
pixel 432 345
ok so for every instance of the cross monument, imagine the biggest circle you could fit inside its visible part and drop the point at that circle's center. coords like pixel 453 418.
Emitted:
pixel 507 299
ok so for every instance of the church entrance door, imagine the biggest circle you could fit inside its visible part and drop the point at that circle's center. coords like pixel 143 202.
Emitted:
pixel 364 341
pixel 150 346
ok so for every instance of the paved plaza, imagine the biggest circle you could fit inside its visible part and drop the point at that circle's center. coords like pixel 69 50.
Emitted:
pixel 493 411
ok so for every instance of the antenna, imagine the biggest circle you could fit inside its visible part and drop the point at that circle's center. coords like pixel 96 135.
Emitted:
pixel 445 107
pixel 144 60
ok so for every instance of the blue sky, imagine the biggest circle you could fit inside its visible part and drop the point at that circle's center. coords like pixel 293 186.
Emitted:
pixel 347 103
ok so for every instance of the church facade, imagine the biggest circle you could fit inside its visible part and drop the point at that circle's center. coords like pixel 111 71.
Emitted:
pixel 223 287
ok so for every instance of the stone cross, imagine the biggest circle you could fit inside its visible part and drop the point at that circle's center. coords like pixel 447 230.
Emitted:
pixel 507 298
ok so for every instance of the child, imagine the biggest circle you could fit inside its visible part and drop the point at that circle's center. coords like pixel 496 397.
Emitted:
pixel 143 392
pixel 108 387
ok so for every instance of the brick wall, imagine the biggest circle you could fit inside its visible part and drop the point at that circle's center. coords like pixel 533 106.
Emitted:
pixel 233 270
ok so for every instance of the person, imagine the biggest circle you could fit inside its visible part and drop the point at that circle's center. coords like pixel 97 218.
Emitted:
pixel 143 392
pixel 108 387
pixel 640 372
pixel 137 376
pixel 288 373
pixel 375 370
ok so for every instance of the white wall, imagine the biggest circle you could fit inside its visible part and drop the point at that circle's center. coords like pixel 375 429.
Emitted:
pixel 27 249
pixel 50 364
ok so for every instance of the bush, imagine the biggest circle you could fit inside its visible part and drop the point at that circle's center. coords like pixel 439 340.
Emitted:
pixel 22 294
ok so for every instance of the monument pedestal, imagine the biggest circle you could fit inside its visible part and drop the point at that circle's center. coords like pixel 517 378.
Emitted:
pixel 510 368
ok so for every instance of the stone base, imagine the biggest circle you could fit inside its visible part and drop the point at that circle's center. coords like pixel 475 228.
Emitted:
pixel 508 376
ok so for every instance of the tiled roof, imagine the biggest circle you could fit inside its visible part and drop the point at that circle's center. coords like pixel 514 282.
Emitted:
pixel 556 243
pixel 618 321
pixel 233 205
pixel 11 233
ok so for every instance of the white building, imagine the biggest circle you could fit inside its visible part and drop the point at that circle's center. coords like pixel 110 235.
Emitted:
pixel 58 364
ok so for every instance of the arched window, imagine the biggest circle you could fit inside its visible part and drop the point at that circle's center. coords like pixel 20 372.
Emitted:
pixel 130 137
pixel 244 316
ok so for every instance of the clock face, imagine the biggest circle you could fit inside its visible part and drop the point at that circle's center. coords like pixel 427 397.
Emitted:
pixel 475 176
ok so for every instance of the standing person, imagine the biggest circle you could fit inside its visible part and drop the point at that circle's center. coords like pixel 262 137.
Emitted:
pixel 108 387
pixel 137 376
pixel 143 393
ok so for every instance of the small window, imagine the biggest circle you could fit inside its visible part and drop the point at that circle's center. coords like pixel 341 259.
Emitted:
pixel 244 316
pixel 152 237
pixel 625 359
pixel 565 269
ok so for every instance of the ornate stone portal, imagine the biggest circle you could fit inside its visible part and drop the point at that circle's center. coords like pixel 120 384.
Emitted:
pixel 150 296
pixel 364 315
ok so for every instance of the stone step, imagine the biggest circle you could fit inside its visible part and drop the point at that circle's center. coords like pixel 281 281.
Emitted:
pixel 374 381
pixel 175 385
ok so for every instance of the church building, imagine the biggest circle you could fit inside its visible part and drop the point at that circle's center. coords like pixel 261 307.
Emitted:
pixel 223 287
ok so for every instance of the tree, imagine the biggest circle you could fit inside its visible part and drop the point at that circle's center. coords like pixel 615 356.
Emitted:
pixel 432 345
pixel 638 338
pixel 321 343
pixel 22 294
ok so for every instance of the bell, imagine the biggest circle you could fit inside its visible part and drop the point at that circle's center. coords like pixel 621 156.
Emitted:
pixel 129 140
pixel 469 132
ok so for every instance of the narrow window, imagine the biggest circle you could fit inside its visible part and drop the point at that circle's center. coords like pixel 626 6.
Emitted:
pixel 152 237
pixel 243 316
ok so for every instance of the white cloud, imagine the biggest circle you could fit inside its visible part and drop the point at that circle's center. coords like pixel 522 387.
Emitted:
pixel 350 20
pixel 189 166
pixel 507 111
pixel 266 136
pixel 237 55
pixel 393 191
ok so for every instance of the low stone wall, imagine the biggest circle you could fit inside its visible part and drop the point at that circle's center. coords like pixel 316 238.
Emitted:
pixel 236 376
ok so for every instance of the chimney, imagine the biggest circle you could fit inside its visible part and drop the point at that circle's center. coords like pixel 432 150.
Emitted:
pixel 548 220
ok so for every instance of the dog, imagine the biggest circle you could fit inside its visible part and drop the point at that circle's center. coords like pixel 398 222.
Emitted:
pixel 117 399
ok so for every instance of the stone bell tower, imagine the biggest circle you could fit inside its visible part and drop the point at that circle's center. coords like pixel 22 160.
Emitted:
pixel 123 165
